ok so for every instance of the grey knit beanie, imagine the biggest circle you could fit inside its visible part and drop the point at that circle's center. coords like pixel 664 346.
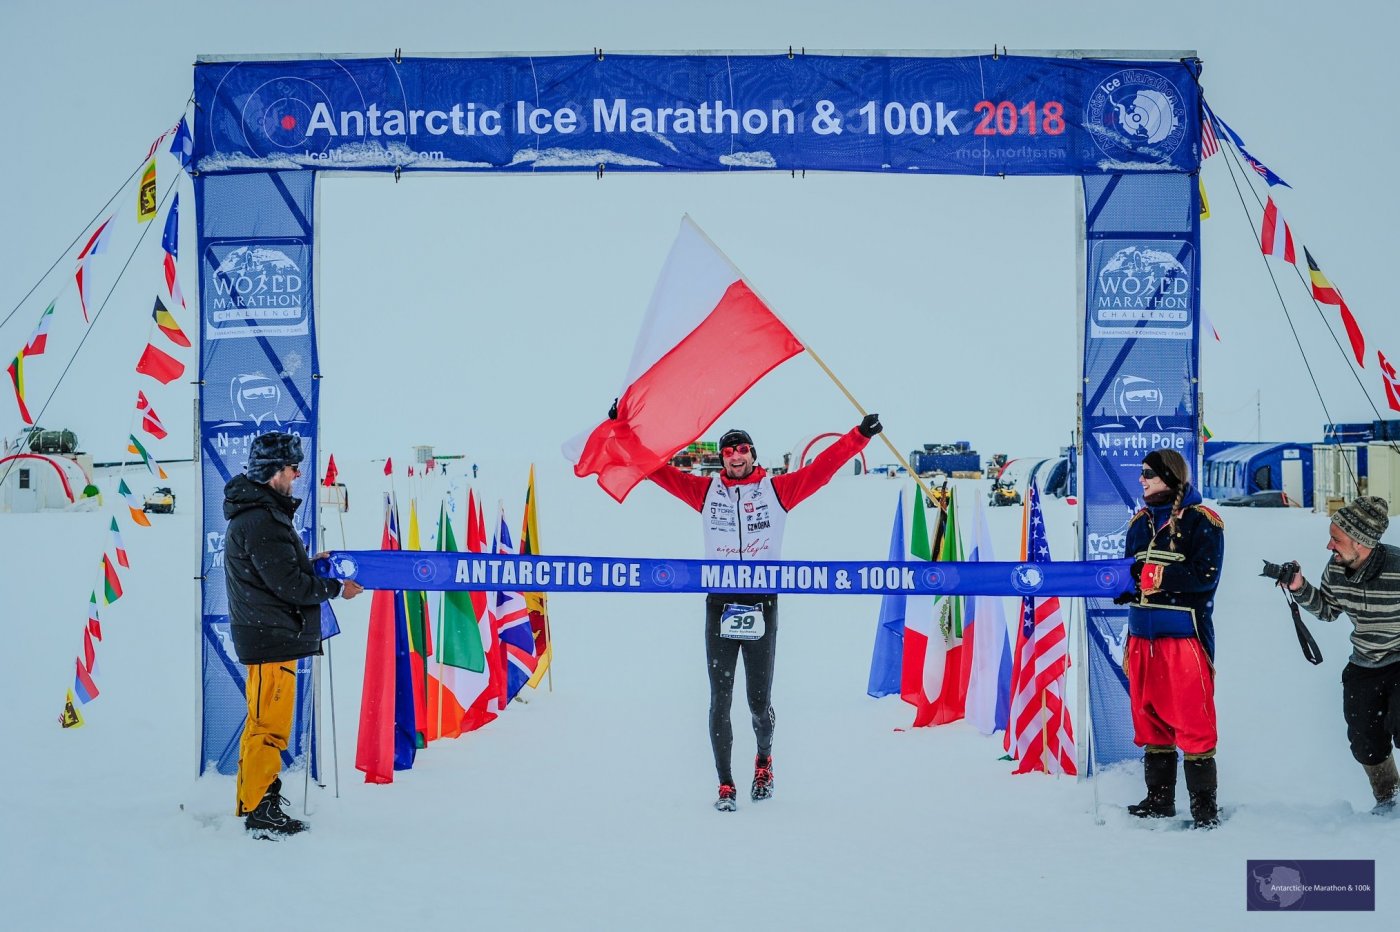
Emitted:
pixel 1364 520
pixel 271 452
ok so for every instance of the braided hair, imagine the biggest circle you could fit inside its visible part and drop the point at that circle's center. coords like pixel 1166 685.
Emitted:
pixel 1171 467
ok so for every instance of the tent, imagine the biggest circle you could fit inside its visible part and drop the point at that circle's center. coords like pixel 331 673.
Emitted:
pixel 38 482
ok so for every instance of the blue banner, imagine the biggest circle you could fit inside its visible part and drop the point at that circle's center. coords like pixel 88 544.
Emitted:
pixel 1141 353
pixel 417 570
pixel 969 115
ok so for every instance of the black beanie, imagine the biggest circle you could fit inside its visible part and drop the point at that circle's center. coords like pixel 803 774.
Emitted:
pixel 272 452
pixel 1165 471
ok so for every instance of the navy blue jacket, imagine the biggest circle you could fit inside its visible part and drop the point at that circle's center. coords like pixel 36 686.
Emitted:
pixel 1191 560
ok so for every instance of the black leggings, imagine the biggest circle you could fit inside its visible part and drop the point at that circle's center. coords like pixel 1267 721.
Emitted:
pixel 1371 704
pixel 722 656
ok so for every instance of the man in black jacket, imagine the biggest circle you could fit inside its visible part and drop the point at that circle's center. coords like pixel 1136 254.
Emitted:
pixel 274 616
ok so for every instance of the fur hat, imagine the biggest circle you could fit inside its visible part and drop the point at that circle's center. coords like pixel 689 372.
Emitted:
pixel 1170 466
pixel 272 452
pixel 1364 520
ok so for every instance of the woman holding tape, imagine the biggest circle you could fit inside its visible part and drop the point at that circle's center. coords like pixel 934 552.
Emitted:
pixel 1177 545
pixel 743 510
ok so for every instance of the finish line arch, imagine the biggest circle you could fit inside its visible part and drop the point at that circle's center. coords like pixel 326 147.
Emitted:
pixel 1126 123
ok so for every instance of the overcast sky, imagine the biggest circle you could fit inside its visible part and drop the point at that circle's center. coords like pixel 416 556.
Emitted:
pixel 488 313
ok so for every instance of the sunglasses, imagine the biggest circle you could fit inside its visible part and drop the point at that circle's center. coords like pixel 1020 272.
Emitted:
pixel 1149 473
pixel 743 449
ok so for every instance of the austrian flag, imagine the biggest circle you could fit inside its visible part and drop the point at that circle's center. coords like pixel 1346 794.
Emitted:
pixel 707 338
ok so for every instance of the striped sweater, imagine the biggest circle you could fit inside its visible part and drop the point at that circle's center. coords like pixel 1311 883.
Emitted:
pixel 1371 596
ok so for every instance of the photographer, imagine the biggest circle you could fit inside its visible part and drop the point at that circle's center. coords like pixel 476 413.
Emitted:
pixel 1177 545
pixel 1362 579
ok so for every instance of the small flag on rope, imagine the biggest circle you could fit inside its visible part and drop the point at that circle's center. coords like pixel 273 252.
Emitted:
pixel 168 325
pixel 83 685
pixel 331 473
pixel 138 514
pixel 1210 144
pixel 112 586
pixel 182 146
pixel 16 370
pixel 94 623
pixel 1271 242
pixel 39 339
pixel 170 243
pixel 120 547
pixel 70 717
pixel 146 194
pixel 1327 293
pixel 150 421
pixel 96 245
pixel 134 446
pixel 159 365
pixel 1392 385
pixel 389 466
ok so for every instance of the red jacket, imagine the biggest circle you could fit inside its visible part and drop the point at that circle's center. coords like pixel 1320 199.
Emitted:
pixel 791 488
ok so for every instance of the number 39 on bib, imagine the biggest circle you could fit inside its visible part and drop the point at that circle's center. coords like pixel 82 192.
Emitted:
pixel 741 622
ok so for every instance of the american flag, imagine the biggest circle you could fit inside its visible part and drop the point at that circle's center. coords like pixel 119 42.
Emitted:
pixel 512 616
pixel 1040 734
pixel 1209 143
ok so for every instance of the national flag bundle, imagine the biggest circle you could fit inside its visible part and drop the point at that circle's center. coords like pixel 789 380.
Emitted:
pixel 112 586
pixel 512 619
pixel 1268 174
pixel 420 640
pixel 987 650
pixel 375 744
pixel 536 602
pixel 487 689
pixel 150 421
pixel 921 672
pixel 1040 734
pixel 96 245
pixel 170 245
pixel 1327 293
pixel 949 704
pixel 886 659
pixel 459 652
pixel 138 513
pixel 705 340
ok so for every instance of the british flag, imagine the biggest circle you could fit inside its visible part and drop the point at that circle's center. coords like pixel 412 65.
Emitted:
pixel 512 616
pixel 1040 734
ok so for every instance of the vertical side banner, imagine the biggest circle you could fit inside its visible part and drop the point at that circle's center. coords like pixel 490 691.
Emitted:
pixel 1141 361
pixel 257 363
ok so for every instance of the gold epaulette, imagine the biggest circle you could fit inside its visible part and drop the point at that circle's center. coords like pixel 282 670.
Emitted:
pixel 1211 516
pixel 1141 513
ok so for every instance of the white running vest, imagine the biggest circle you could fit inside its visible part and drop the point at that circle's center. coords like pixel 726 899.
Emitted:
pixel 743 522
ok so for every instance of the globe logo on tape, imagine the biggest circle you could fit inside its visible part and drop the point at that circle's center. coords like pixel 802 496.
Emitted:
pixel 934 578
pixel 1108 579
pixel 345 567
pixel 663 574
pixel 424 571
pixel 278 115
pixel 1027 578
pixel 1136 114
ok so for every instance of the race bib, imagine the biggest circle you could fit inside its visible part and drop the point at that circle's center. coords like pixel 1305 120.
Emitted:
pixel 741 622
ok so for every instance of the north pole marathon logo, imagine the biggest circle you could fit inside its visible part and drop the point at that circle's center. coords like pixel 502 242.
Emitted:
pixel 1136 113
pixel 1140 284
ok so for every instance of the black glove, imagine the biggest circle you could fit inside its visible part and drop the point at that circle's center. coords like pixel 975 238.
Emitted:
pixel 1136 570
pixel 612 412
pixel 870 425
pixel 1123 598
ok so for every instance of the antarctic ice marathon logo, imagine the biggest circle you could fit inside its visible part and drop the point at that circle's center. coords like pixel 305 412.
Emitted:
pixel 1027 578
pixel 256 291
pixel 1141 286
pixel 1136 114
pixel 280 113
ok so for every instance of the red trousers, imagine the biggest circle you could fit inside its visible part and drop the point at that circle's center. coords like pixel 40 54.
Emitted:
pixel 1171 686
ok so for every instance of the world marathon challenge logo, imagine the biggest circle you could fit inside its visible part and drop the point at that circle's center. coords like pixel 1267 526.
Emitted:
pixel 1144 290
pixel 1136 115
pixel 257 291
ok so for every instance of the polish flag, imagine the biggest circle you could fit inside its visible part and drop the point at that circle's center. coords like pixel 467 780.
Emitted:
pixel 705 340
pixel 1272 240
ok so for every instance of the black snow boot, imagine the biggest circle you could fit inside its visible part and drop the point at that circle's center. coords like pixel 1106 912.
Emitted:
pixel 1384 783
pixel 268 821
pixel 1200 783
pixel 762 778
pixel 1159 772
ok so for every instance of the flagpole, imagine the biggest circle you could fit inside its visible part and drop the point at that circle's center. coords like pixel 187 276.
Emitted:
pixel 813 353
pixel 1044 732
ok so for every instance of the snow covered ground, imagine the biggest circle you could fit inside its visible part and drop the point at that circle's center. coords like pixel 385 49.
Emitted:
pixel 589 808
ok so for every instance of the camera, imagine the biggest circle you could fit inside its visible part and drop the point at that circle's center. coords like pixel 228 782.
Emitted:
pixel 1280 573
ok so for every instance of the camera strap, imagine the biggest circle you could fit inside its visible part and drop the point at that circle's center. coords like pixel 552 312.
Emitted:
pixel 1311 653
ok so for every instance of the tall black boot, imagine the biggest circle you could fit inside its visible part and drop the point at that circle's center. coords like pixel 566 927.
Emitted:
pixel 1159 771
pixel 1200 783
pixel 1384 783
